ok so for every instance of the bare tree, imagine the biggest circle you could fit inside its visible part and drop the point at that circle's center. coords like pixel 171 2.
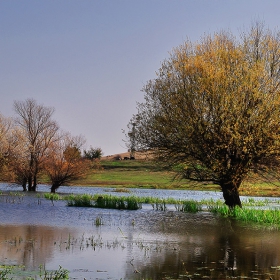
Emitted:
pixel 17 168
pixel 38 132
pixel 215 108
pixel 5 127
pixel 64 161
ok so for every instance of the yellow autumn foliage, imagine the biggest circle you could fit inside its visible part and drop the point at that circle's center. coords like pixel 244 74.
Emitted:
pixel 215 106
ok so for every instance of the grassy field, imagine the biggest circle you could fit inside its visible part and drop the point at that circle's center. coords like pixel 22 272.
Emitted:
pixel 131 173
pixel 146 174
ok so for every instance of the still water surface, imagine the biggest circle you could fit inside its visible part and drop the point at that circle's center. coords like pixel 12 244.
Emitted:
pixel 142 244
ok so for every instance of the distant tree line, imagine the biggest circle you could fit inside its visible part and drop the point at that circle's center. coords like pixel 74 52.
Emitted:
pixel 33 146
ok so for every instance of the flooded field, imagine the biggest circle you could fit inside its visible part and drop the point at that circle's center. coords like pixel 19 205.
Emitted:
pixel 97 243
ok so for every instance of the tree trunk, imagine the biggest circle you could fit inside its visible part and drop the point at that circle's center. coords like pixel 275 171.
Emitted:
pixel 231 194
pixel 54 187
pixel 24 183
pixel 34 187
pixel 30 183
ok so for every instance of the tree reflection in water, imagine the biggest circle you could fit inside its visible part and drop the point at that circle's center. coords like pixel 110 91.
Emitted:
pixel 225 249
pixel 142 244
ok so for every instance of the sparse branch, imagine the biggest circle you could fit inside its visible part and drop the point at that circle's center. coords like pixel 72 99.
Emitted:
pixel 64 161
pixel 38 131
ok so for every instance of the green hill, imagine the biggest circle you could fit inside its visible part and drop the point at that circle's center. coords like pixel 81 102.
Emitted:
pixel 147 174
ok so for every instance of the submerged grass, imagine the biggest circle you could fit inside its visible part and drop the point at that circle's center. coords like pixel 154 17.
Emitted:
pixel 269 217
pixel 61 273
pixel 52 196
pixel 104 201
pixel 191 206
pixel 83 200
pixel 13 272
pixel 5 271
pixel 132 202
pixel 117 202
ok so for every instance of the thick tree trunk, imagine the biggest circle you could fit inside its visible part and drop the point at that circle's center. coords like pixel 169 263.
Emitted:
pixel 34 187
pixel 54 187
pixel 30 183
pixel 24 183
pixel 231 194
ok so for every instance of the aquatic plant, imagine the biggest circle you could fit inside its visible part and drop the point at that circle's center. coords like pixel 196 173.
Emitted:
pixel 98 221
pixel 122 190
pixel 260 216
pixel 219 209
pixel 59 274
pixel 84 200
pixel 104 201
pixel 5 271
pixel 52 196
pixel 191 206
pixel 13 272
pixel 211 201
pixel 117 202
pixel 159 204
pixel 248 213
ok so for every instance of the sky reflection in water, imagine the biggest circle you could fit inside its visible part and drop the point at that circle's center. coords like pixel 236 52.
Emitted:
pixel 142 244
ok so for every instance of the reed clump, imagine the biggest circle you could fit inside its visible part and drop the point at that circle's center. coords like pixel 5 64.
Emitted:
pixel 105 201
pixel 131 202
pixel 269 215
pixel 58 274
pixel 83 200
pixel 52 196
pixel 159 204
pixel 118 202
pixel 259 216
pixel 191 206
pixel 18 272
pixel 5 271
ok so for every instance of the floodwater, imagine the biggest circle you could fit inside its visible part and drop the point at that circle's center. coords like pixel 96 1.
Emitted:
pixel 144 244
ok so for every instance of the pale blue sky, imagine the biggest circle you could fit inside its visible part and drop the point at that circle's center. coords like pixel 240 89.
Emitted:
pixel 89 59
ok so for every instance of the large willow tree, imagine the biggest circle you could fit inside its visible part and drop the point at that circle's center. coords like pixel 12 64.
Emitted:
pixel 215 106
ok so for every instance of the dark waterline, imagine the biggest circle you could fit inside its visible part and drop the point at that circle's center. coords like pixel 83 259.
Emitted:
pixel 142 244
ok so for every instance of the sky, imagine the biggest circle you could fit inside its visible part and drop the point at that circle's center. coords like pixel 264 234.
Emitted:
pixel 90 59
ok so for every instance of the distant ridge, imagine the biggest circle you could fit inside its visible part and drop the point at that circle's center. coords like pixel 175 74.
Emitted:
pixel 138 155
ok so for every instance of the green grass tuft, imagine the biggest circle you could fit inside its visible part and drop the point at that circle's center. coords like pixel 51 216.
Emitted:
pixel 191 206
pixel 84 200
pixel 104 201
pixel 249 215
